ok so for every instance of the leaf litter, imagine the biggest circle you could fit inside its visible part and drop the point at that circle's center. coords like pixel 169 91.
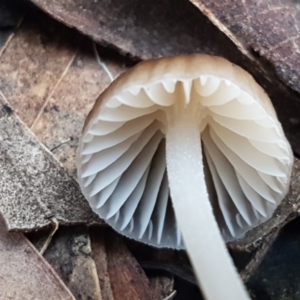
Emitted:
pixel 24 273
pixel 44 101
pixel 51 81
pixel 136 35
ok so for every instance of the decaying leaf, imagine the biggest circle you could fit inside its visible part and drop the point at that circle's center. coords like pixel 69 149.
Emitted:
pixel 52 80
pixel 34 187
pixel 70 256
pixel 120 275
pixel 24 274
pixel 141 29
pixel 88 267
pixel 100 257
pixel 59 124
pixel 29 79
pixel 50 96
pixel 269 27
pixel 258 255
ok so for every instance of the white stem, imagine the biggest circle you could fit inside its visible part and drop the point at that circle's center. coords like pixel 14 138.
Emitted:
pixel 213 266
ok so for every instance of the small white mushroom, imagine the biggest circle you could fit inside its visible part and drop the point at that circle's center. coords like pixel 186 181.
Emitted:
pixel 141 163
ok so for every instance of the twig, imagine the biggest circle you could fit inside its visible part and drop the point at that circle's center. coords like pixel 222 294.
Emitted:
pixel 171 296
pixel 62 143
pixel 101 63
pixel 49 239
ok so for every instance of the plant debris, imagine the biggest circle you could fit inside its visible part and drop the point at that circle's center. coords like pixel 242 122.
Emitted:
pixel 34 186
pixel 24 273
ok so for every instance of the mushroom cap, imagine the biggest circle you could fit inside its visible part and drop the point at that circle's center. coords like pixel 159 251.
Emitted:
pixel 121 156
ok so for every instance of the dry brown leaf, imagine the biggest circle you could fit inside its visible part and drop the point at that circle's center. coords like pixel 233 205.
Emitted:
pixel 29 78
pixel 59 123
pixel 55 121
pixel 70 256
pixel 100 257
pixel 51 78
pixel 269 27
pixel 101 269
pixel 51 83
pixel 120 275
pixel 24 274
pixel 143 30
pixel 33 186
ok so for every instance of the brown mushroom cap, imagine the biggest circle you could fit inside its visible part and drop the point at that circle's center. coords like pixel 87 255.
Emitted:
pixel 121 155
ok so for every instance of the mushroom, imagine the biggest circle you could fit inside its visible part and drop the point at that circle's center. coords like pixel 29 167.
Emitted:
pixel 142 168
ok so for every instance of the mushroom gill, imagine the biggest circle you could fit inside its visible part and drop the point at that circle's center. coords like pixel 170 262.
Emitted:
pixel 190 134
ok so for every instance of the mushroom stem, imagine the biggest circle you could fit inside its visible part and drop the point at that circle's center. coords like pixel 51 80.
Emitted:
pixel 214 268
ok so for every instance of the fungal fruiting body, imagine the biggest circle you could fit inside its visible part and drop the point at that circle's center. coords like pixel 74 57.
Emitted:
pixel 185 152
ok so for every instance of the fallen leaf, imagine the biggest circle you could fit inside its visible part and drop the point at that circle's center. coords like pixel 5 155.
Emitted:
pixel 120 275
pixel 60 122
pixel 88 269
pixel 258 255
pixel 34 187
pixel 29 79
pixel 270 28
pixel 70 256
pixel 33 81
pixel 141 29
pixel 52 81
pixel 24 274
pixel 100 257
